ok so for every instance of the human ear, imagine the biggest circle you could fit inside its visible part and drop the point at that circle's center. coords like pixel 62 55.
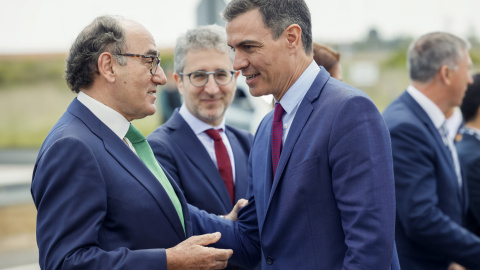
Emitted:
pixel 293 35
pixel 179 82
pixel 106 66
pixel 445 74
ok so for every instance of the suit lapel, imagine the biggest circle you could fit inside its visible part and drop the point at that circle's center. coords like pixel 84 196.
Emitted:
pixel 423 116
pixel 301 117
pixel 189 143
pixel 127 158
pixel 240 167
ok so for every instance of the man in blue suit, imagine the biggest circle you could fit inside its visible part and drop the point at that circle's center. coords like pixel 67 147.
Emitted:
pixel 430 190
pixel 100 206
pixel 468 149
pixel 206 79
pixel 330 202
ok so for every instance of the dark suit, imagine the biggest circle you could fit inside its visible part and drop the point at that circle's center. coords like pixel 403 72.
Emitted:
pixel 430 203
pixel 469 154
pixel 179 150
pixel 331 204
pixel 99 207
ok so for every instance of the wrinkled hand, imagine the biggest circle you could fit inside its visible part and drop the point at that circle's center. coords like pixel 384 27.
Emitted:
pixel 454 266
pixel 192 254
pixel 233 214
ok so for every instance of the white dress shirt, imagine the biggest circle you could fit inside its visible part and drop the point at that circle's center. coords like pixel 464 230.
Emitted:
pixel 111 118
pixel 294 96
pixel 199 128
pixel 438 119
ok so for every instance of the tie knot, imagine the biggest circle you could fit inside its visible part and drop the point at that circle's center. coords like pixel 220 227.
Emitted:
pixel 134 135
pixel 214 134
pixel 278 113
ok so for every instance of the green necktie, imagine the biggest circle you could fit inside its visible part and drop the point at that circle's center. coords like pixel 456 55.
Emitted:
pixel 145 153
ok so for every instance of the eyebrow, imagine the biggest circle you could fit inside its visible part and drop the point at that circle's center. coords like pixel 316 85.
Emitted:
pixel 152 53
pixel 241 43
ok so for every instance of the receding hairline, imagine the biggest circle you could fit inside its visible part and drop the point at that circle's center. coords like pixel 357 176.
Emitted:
pixel 133 27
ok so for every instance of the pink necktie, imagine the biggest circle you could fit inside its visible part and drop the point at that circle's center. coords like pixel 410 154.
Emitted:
pixel 223 161
pixel 277 133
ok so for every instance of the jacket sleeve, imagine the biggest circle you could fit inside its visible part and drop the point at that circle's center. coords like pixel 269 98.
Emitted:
pixel 362 178
pixel 71 198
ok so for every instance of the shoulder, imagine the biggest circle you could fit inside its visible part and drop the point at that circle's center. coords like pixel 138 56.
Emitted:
pixel 239 133
pixel 400 114
pixel 468 145
pixel 336 93
pixel 244 137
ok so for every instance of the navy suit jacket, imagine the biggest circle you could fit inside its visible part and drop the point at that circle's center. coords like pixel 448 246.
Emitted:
pixel 179 150
pixel 430 203
pixel 469 154
pixel 332 202
pixel 99 206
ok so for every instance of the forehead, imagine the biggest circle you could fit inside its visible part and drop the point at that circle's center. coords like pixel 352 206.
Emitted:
pixel 207 59
pixel 248 26
pixel 138 39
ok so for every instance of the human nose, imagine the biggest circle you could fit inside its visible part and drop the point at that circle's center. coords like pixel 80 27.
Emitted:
pixel 159 77
pixel 211 87
pixel 239 62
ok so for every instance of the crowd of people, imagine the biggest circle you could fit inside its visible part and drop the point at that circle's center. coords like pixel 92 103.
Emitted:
pixel 326 182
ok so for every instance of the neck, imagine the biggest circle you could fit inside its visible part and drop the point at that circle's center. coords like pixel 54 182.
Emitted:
pixel 300 66
pixel 434 91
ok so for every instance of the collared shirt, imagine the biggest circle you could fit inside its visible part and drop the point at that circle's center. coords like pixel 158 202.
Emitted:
pixel 294 96
pixel 454 122
pixel 199 128
pixel 432 110
pixel 438 119
pixel 111 118
pixel 472 131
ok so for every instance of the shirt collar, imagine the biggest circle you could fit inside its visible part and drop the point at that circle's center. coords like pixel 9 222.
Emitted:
pixel 111 118
pixel 297 91
pixel 432 110
pixel 197 125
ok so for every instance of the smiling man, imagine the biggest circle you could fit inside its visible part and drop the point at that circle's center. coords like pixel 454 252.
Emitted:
pixel 103 201
pixel 206 158
pixel 321 190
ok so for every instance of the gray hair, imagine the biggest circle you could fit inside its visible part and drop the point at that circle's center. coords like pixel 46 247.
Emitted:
pixel 105 33
pixel 430 52
pixel 277 15
pixel 203 37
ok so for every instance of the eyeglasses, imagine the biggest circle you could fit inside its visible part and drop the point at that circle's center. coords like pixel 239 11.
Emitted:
pixel 155 60
pixel 200 78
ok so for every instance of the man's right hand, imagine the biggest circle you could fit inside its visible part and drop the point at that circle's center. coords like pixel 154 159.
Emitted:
pixel 192 254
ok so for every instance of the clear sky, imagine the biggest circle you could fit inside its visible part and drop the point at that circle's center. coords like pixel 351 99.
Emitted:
pixel 38 26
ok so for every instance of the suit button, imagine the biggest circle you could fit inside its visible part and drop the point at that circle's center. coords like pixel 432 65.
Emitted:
pixel 270 260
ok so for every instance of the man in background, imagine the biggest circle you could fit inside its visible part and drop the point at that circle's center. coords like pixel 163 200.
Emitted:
pixel 329 59
pixel 430 190
pixel 468 149
pixel 103 201
pixel 206 158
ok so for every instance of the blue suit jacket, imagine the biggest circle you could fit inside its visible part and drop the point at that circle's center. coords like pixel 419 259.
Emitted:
pixel 99 206
pixel 182 154
pixel 469 154
pixel 331 204
pixel 430 203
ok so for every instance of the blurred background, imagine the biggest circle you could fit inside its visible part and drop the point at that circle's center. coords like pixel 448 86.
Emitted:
pixel 372 37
